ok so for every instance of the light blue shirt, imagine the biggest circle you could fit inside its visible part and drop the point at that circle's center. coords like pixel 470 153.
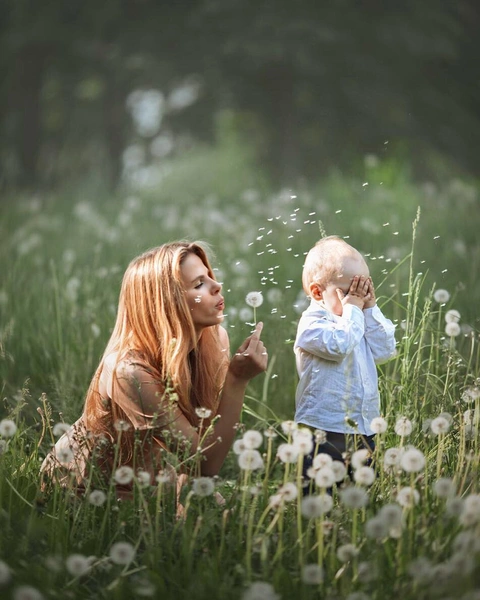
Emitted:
pixel 336 362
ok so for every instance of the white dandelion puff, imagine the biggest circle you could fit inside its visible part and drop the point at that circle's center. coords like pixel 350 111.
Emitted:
pixel 288 427
pixel 26 592
pixel 270 433
pixel 203 413
pixel 8 428
pixel 347 552
pixel 378 425
pixel 254 299
pixel 124 475
pixel 471 394
pixel 339 470
pixel 376 528
pixel 304 444
pixel 312 574
pixel 452 316
pixel 122 553
pixel 412 460
pixel 360 457
pixel 78 564
pixel 250 460
pixel 203 486
pixel 144 478
pixel 61 428
pixel 324 478
pixel 452 329
pixel 289 491
pixel 354 497
pixel 408 497
pixel 313 507
pixel 391 458
pixel 444 487
pixel 441 296
pixel 260 590
pixel 122 425
pixel 403 427
pixel 97 497
pixel 440 425
pixel 5 573
pixel 392 515
pixel 364 476
pixel 287 453
pixel 64 455
pixel 252 439
pixel 239 446
pixel 322 460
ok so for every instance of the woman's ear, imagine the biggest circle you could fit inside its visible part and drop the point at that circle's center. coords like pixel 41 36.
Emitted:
pixel 315 291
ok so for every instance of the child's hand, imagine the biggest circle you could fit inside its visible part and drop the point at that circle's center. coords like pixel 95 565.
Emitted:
pixel 358 293
pixel 370 303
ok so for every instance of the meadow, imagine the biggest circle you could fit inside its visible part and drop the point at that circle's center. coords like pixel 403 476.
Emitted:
pixel 409 528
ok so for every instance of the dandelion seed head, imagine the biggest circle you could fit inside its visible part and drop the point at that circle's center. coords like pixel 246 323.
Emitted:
pixel 392 515
pixel 124 475
pixel 452 316
pixel 288 427
pixel 122 425
pixel 313 507
pixel 347 552
pixel 324 478
pixel 408 497
pixel 270 433
pixel 26 592
pixel 454 506
pixel 339 470
pixel 359 458
pixel 354 497
pixel 471 394
pixel 239 446
pixel 78 564
pixel 61 428
pixel 287 453
pixel 8 428
pixel 163 477
pixel 203 413
pixel 260 590
pixel 144 478
pixel 403 427
pixel 452 329
pixel 378 425
pixel 322 460
pixel 250 460
pixel 97 497
pixel 203 486
pixel 439 425
pixel 444 487
pixel 254 299
pixel 441 296
pixel 364 476
pixel 412 460
pixel 312 574
pixel 5 573
pixel 376 528
pixel 122 553
pixel 252 439
pixel 289 491
pixel 64 455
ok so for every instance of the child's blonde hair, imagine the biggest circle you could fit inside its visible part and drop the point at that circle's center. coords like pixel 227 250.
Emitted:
pixel 324 261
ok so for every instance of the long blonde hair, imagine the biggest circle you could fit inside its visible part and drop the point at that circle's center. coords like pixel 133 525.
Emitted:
pixel 154 323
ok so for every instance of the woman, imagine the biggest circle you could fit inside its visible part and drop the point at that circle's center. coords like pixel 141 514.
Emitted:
pixel 166 382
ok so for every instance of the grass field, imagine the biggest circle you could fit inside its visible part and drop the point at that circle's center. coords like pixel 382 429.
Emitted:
pixel 412 532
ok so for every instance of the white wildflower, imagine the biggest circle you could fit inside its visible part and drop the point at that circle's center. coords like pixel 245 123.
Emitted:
pixel 287 453
pixel 26 592
pixel 360 457
pixel 260 590
pixel 7 428
pixel 408 497
pixel 324 478
pixel 439 425
pixel 254 299
pixel 289 491
pixel 444 487
pixel 252 439
pixel 312 574
pixel 412 460
pixel 313 507
pixel 403 427
pixel 378 425
pixel 78 564
pixel 441 296
pixel 124 475
pixel 347 552
pixel 364 476
pixel 250 460
pixel 203 486
pixel 354 497
pixel 452 316
pixel 203 413
pixel 5 573
pixel 97 497
pixel 452 329
pixel 122 553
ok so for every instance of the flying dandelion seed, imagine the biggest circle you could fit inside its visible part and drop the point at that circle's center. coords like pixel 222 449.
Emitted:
pixel 122 553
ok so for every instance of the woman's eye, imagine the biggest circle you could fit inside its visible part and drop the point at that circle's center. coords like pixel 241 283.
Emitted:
pixel 199 285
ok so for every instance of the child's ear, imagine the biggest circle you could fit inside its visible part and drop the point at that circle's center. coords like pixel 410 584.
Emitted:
pixel 315 291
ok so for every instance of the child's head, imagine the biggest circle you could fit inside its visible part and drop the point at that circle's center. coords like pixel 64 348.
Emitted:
pixel 331 264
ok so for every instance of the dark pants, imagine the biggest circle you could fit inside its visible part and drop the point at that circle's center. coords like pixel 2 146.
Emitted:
pixel 338 446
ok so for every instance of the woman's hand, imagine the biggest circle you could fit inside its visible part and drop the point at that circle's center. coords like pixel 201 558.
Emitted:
pixel 251 358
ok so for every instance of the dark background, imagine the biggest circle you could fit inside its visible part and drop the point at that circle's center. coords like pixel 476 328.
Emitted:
pixel 310 85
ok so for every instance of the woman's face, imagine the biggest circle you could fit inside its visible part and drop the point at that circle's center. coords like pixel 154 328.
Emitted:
pixel 202 293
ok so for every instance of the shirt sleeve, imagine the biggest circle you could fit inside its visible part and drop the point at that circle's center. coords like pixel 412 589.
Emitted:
pixel 331 340
pixel 380 334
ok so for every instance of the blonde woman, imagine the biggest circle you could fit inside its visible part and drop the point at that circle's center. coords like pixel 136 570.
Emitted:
pixel 166 384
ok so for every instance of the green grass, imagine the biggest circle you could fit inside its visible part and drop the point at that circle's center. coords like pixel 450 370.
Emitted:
pixel 63 257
